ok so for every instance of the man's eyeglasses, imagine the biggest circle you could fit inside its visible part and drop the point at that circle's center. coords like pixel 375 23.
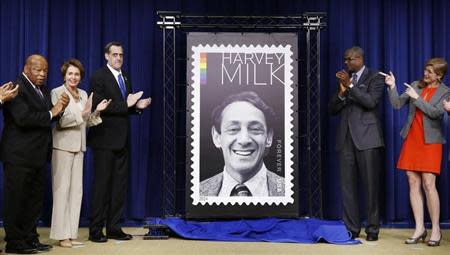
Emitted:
pixel 350 59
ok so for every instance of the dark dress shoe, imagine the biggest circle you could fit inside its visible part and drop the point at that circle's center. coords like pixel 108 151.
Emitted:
pixel 354 234
pixel 372 237
pixel 98 237
pixel 20 249
pixel 39 246
pixel 120 236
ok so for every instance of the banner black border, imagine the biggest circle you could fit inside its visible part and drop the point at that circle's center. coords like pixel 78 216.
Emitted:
pixel 244 211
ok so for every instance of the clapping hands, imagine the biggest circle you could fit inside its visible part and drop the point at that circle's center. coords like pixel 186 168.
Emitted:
pixel 8 91
pixel 344 78
pixel 144 103
pixel 134 99
pixel 344 81
pixel 100 106
pixel 447 104
pixel 88 106
pixel 60 105
pixel 63 100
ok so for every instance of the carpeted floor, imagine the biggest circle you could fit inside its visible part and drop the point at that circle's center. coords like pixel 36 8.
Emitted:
pixel 391 242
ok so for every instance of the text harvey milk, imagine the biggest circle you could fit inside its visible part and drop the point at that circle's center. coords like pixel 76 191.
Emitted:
pixel 251 68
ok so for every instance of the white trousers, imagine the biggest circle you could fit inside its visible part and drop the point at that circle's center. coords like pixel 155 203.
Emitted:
pixel 67 184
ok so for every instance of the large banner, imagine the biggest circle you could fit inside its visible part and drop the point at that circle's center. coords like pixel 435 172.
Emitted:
pixel 242 125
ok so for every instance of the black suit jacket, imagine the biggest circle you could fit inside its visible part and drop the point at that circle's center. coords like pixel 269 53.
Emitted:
pixel 113 132
pixel 358 112
pixel 27 137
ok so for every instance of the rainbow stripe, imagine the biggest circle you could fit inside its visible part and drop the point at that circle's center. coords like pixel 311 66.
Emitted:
pixel 203 68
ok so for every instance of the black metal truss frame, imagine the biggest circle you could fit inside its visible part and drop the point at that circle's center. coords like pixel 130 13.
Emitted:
pixel 313 23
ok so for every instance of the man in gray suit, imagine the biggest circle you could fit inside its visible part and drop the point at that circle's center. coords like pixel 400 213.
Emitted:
pixel 243 131
pixel 359 139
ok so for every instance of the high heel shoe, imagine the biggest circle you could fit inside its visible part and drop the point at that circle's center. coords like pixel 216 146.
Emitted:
pixel 76 243
pixel 434 243
pixel 66 243
pixel 412 240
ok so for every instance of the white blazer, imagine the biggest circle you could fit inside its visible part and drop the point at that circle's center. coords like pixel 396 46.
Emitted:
pixel 69 134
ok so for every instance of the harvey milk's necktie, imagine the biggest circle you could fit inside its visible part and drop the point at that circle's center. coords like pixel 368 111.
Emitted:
pixel 123 90
pixel 240 190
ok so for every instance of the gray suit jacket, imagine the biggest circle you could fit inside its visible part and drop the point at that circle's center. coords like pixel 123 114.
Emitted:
pixel 211 187
pixel 69 134
pixel 358 112
pixel 433 111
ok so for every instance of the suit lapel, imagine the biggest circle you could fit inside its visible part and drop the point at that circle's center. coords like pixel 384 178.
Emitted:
pixel 217 184
pixel 127 84
pixel 275 184
pixel 73 104
pixel 437 95
pixel 114 85
pixel 364 76
pixel 417 88
pixel 38 101
pixel 47 98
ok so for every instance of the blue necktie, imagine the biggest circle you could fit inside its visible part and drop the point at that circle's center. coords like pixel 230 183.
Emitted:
pixel 123 89
pixel 354 79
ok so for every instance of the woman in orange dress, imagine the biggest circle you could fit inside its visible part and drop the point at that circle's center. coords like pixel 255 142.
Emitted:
pixel 421 153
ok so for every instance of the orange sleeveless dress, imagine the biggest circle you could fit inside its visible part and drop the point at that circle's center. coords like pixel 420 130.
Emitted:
pixel 416 155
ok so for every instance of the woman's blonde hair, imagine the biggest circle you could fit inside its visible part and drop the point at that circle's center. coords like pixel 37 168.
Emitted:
pixel 439 66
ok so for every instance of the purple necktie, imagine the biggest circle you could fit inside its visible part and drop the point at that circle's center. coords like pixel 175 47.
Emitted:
pixel 39 92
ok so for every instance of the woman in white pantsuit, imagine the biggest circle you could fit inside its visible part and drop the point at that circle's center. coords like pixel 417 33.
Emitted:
pixel 69 144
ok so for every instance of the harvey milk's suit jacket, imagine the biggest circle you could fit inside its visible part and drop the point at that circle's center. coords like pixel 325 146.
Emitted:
pixel 211 187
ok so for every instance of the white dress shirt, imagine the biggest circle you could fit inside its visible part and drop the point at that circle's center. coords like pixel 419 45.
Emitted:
pixel 116 74
pixel 257 184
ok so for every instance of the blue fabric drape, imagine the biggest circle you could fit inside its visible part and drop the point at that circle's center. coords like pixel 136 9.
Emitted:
pixel 397 35
pixel 262 230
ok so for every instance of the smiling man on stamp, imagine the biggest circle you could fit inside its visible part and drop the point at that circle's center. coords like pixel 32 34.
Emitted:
pixel 243 131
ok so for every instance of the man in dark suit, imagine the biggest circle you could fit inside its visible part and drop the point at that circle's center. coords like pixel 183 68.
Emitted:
pixel 110 142
pixel 359 139
pixel 25 148
pixel 243 130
